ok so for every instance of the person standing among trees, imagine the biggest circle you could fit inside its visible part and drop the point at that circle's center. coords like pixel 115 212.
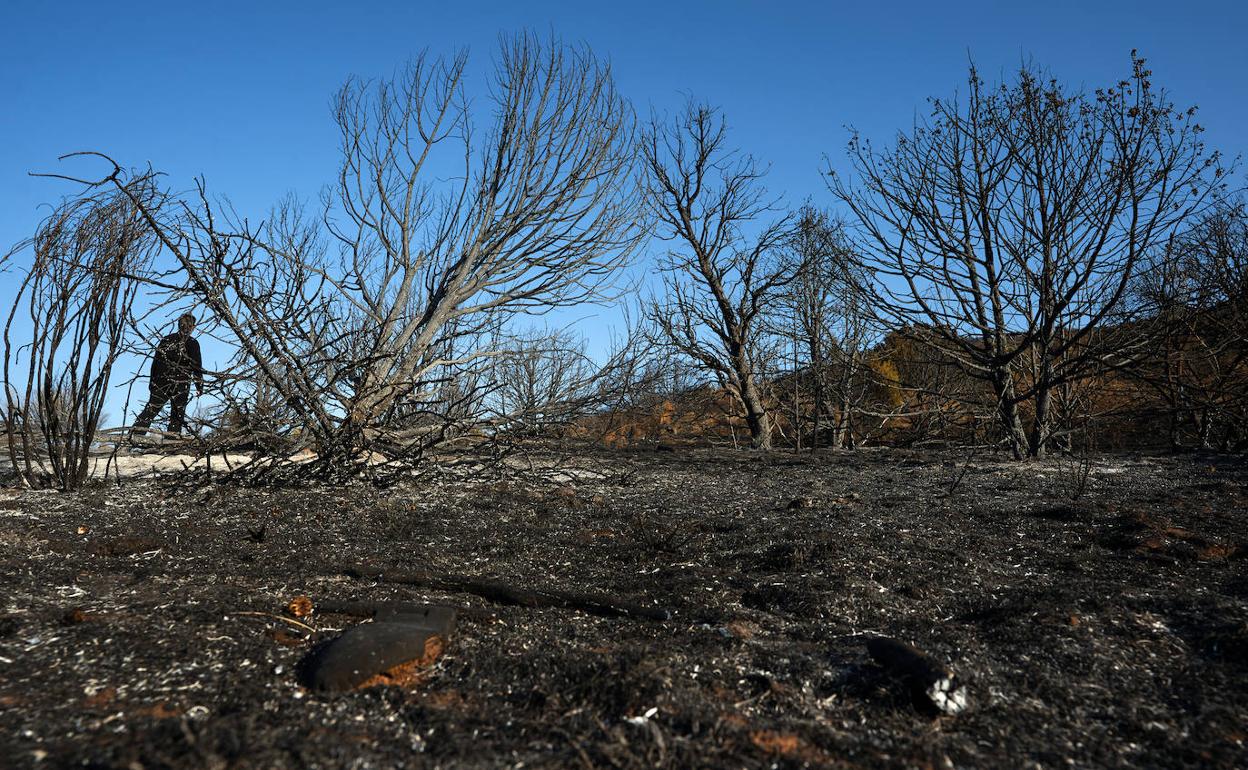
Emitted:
pixel 176 363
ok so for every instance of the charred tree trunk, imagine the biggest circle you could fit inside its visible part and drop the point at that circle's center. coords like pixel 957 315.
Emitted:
pixel 843 438
pixel 817 370
pixel 1011 420
pixel 756 417
pixel 1038 438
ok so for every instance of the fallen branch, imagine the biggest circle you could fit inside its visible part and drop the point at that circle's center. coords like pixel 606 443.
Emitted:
pixel 271 616
pixel 503 593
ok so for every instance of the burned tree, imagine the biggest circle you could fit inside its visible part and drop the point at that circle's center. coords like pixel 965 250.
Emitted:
pixel 432 231
pixel 543 378
pixel 88 261
pixel 1009 225
pixel 545 212
pixel 826 310
pixel 718 276
pixel 1195 295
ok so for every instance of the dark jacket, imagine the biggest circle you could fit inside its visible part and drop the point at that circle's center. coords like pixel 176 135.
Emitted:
pixel 177 362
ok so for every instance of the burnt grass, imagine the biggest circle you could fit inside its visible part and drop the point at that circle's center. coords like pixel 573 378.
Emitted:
pixel 144 625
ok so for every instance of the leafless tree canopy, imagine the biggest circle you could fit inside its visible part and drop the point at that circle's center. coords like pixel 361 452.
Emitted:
pixel 825 314
pixel 543 215
pixel 545 379
pixel 718 274
pixel 87 263
pixel 382 307
pixel 1007 227
pixel 1195 294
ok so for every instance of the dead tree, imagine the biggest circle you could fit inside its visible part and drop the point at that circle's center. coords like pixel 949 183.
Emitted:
pixel 544 215
pixel 432 231
pixel 1009 225
pixel 722 270
pixel 1218 246
pixel 87 262
pixel 1195 296
pixel 826 308
pixel 545 379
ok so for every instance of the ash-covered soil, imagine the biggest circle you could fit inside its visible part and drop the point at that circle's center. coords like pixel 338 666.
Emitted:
pixel 143 626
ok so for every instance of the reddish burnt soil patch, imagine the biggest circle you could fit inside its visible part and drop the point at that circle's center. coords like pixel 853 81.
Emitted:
pixel 1112 631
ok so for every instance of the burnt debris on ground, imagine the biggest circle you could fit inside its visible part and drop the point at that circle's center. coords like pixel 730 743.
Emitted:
pixel 151 625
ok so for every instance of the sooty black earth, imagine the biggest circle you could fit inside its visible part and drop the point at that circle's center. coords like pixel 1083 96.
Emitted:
pixel 145 625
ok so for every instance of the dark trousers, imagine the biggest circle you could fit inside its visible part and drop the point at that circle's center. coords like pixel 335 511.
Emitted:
pixel 176 395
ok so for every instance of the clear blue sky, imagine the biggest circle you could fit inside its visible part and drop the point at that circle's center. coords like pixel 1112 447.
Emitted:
pixel 239 92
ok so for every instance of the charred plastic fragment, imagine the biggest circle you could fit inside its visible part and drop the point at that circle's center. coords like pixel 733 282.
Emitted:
pixel 932 684
pixel 369 651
